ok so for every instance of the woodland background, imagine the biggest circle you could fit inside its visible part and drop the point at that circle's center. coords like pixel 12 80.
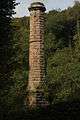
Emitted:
pixel 62 56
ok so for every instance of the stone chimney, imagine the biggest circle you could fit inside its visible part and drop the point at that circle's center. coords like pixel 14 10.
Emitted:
pixel 36 55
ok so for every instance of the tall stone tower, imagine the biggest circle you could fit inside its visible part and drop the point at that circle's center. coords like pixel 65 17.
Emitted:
pixel 36 55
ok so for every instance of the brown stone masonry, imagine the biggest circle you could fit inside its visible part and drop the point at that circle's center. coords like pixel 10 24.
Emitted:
pixel 36 54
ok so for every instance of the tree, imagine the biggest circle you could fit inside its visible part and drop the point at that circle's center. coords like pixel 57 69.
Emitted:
pixel 62 48
pixel 6 66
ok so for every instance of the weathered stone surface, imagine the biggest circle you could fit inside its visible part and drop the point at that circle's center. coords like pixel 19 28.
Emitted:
pixel 36 55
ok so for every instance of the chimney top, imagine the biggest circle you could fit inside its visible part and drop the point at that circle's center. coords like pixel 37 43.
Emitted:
pixel 37 6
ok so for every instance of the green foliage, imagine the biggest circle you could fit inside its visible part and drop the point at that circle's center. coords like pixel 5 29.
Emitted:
pixel 62 54
pixel 20 61
pixel 63 71
pixel 6 66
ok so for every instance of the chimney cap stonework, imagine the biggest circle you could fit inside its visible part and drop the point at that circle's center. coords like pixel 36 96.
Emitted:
pixel 37 6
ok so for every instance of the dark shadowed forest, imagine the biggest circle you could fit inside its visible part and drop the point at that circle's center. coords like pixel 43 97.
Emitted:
pixel 62 56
